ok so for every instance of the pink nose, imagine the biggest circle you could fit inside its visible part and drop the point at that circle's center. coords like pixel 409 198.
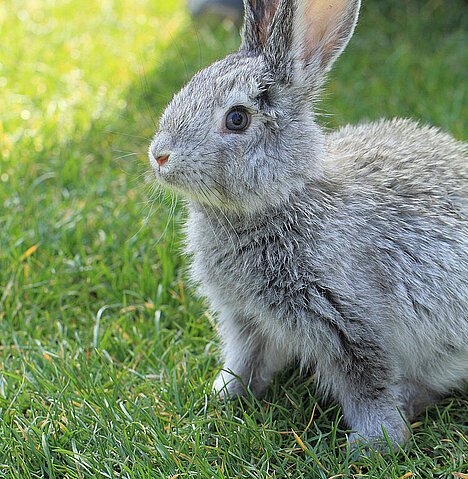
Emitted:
pixel 162 159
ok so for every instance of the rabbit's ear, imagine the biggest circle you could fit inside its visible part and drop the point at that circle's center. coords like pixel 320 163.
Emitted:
pixel 299 35
pixel 258 18
pixel 322 29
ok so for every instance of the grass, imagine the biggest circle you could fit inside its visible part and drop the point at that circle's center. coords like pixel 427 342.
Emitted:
pixel 106 356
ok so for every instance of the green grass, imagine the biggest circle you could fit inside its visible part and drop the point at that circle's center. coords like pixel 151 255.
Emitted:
pixel 106 355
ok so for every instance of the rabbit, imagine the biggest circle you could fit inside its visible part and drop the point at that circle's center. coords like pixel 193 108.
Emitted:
pixel 344 251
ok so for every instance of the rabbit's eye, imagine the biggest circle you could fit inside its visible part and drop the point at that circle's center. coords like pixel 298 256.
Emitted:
pixel 237 119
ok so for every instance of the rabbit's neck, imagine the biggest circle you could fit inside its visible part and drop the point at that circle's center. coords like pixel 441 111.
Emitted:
pixel 212 231
pixel 262 259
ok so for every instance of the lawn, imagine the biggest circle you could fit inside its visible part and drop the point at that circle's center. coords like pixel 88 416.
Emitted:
pixel 107 356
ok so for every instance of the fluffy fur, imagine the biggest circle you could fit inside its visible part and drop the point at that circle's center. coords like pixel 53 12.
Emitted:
pixel 346 251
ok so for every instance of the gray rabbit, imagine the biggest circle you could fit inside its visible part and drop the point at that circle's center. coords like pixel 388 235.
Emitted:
pixel 346 251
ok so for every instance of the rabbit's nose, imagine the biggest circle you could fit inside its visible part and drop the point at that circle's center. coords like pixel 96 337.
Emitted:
pixel 162 159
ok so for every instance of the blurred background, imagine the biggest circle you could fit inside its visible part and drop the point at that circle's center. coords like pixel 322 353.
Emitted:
pixel 91 285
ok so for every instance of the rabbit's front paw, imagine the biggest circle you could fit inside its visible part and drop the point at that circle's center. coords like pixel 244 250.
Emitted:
pixel 377 429
pixel 226 386
pixel 372 444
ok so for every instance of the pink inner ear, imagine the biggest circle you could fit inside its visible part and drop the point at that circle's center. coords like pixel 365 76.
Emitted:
pixel 322 21
pixel 264 12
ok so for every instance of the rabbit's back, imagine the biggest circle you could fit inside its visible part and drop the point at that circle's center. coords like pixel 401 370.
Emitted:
pixel 401 189
pixel 402 158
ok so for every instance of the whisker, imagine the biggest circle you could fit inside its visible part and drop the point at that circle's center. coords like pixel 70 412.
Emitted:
pixel 182 57
pixel 127 155
pixel 145 87
pixel 213 212
pixel 145 222
pixel 226 218
pixel 173 221
pixel 171 214
pixel 127 134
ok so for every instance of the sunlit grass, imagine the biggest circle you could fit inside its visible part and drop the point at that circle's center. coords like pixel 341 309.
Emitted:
pixel 61 69
pixel 106 356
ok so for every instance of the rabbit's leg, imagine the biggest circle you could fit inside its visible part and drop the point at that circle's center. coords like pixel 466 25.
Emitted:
pixel 386 409
pixel 372 419
pixel 371 402
pixel 250 359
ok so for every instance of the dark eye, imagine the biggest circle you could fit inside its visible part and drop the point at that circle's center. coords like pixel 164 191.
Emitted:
pixel 237 119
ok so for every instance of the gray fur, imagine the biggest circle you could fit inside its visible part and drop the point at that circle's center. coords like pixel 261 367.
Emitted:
pixel 346 251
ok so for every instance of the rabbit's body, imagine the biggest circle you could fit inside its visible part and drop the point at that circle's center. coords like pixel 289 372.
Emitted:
pixel 346 251
pixel 360 274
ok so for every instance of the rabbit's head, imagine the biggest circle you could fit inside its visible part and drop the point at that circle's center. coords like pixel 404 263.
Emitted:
pixel 241 134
